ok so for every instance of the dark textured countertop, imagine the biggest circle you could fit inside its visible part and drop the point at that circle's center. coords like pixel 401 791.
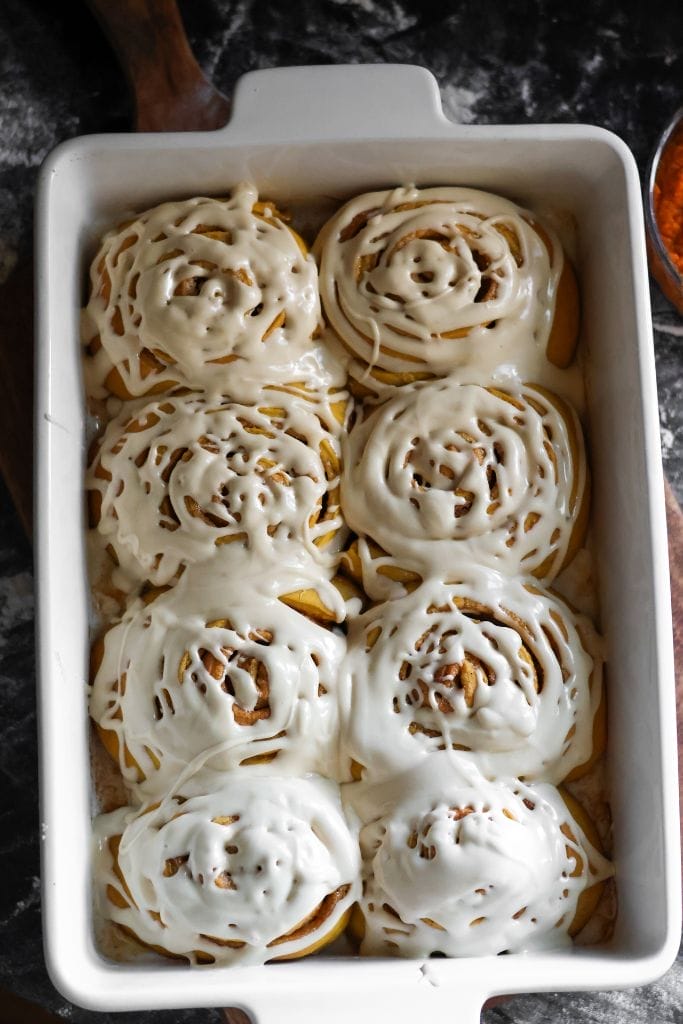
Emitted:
pixel 540 62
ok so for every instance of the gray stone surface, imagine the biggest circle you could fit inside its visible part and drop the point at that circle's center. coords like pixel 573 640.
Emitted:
pixel 540 61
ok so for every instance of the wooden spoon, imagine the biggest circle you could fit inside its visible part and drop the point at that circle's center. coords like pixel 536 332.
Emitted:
pixel 171 92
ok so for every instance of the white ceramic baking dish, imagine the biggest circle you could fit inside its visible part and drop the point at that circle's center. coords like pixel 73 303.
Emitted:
pixel 336 131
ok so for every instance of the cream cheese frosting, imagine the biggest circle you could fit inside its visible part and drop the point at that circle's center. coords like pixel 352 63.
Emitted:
pixel 185 475
pixel 495 667
pixel 449 474
pixel 202 291
pixel 463 866
pixel 219 671
pixel 424 281
pixel 230 868
pixel 226 493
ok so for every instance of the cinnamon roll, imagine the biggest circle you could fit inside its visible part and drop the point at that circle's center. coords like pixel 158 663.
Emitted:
pixel 205 292
pixel 417 282
pixel 494 667
pixel 230 869
pixel 461 866
pixel 447 474
pixel 217 670
pixel 185 475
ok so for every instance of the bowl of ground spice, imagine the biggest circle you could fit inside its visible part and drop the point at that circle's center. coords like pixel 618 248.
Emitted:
pixel 664 212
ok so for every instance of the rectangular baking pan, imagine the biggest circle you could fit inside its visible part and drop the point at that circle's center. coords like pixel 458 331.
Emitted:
pixel 302 133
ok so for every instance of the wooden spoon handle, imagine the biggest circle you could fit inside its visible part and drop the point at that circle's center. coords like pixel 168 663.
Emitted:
pixel 170 89
pixel 674 515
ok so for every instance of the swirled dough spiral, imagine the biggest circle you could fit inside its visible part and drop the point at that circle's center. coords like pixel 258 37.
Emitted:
pixel 416 282
pixel 449 474
pixel 220 501
pixel 218 670
pixel 495 667
pixel 231 869
pixel 183 476
pixel 463 866
pixel 205 292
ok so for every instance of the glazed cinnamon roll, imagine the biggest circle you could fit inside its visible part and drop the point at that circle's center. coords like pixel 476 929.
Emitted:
pixel 217 670
pixel 463 866
pixel 185 475
pixel 230 869
pixel 494 667
pixel 205 292
pixel 417 282
pixel 447 474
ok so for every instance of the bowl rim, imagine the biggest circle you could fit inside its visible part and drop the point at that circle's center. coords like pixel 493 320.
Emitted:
pixel 674 125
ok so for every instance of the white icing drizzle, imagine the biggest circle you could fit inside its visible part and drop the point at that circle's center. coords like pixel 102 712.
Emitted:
pixel 494 666
pixel 238 859
pixel 218 671
pixel 449 474
pixel 428 280
pixel 184 475
pixel 225 867
pixel 212 291
pixel 462 866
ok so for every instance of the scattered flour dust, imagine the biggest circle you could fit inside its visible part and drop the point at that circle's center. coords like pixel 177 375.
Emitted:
pixel 460 102
pixel 25 903
pixel 667 430
pixel 675 330
pixel 391 12
pixel 668 439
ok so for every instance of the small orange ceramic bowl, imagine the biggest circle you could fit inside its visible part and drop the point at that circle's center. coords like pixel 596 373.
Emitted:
pixel 662 267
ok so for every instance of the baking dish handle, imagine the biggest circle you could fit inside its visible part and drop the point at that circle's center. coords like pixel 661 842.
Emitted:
pixel 427 1001
pixel 352 101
